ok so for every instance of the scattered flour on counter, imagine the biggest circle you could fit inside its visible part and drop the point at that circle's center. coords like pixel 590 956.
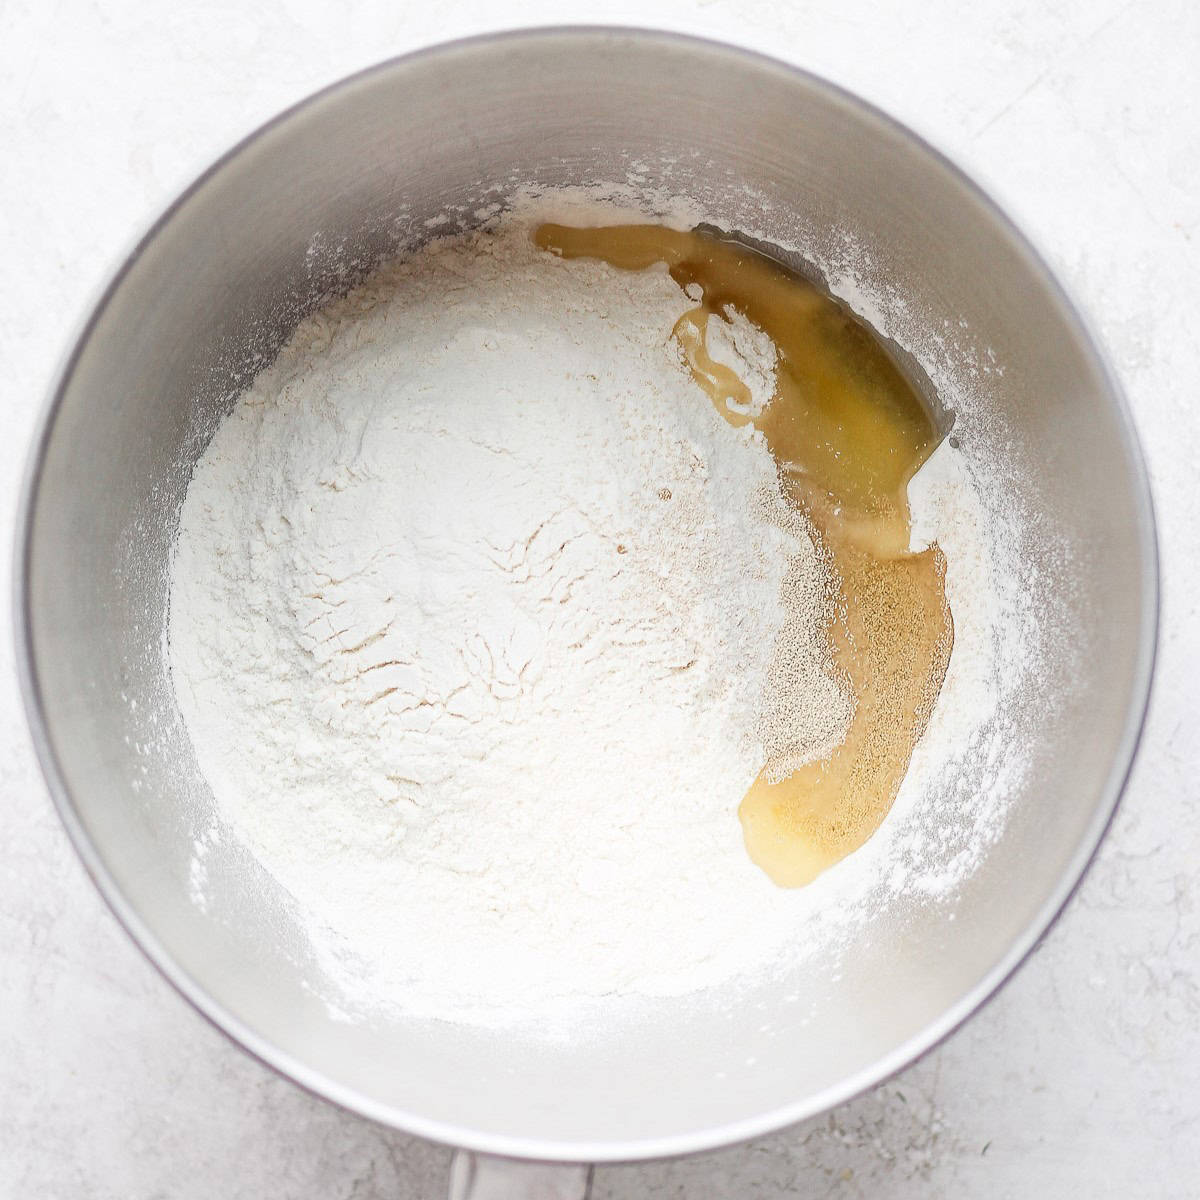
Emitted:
pixel 472 634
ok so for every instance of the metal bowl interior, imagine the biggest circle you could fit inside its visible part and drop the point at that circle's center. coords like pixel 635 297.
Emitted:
pixel 312 200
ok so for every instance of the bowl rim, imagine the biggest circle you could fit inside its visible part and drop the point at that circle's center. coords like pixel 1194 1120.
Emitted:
pixel 532 1146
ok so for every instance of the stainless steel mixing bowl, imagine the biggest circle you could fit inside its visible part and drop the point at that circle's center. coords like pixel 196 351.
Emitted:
pixel 306 204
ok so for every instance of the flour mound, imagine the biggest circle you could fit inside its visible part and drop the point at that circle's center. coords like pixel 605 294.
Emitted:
pixel 475 607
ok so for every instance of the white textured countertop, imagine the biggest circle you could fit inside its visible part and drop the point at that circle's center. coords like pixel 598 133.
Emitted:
pixel 1083 1076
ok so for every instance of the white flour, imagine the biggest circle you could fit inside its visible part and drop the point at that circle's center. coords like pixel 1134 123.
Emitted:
pixel 473 606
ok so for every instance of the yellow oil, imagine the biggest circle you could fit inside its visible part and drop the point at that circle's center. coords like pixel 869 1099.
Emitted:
pixel 848 432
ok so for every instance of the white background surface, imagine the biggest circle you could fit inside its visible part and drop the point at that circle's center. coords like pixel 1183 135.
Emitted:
pixel 1083 1077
